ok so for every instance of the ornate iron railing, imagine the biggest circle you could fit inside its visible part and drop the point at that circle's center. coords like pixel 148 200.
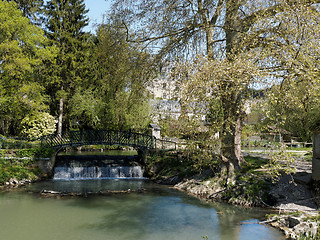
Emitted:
pixel 97 137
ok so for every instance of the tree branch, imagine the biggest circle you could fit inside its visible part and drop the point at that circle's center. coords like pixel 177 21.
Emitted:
pixel 251 19
pixel 217 13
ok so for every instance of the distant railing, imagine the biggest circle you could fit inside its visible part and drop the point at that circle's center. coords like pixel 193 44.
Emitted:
pixel 245 143
pixel 97 137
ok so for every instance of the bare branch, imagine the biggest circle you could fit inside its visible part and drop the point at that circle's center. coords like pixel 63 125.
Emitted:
pixel 216 15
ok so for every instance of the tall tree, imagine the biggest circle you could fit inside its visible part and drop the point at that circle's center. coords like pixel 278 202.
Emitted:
pixel 116 98
pixel 31 9
pixel 293 104
pixel 23 49
pixel 222 29
pixel 65 20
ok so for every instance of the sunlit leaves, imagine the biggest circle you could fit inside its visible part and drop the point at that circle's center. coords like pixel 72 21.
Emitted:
pixel 21 43
pixel 293 104
pixel 38 125
pixel 117 97
pixel 86 108
pixel 211 81
pixel 23 49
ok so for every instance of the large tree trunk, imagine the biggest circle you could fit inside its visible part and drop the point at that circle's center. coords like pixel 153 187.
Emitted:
pixel 231 156
pixel 316 157
pixel 237 138
pixel 210 42
pixel 60 118
pixel 230 152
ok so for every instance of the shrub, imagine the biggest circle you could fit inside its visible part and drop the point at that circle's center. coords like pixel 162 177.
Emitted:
pixel 38 125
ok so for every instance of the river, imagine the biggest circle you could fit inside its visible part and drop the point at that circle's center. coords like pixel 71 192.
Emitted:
pixel 158 213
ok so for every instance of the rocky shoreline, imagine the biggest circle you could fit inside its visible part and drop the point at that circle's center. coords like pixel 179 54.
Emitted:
pixel 295 225
pixel 297 212
pixel 295 217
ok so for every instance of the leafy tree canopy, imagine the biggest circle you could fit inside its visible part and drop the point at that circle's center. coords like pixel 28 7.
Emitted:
pixel 31 9
pixel 23 49
pixel 64 23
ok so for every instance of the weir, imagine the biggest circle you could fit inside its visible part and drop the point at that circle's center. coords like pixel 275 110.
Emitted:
pixel 96 167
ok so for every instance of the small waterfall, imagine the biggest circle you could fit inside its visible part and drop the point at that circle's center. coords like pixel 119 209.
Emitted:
pixel 76 169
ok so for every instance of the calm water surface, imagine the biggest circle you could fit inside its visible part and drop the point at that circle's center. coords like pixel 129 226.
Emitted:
pixel 157 213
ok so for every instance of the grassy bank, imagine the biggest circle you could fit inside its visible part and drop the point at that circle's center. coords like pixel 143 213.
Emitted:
pixel 19 164
pixel 198 173
pixel 165 164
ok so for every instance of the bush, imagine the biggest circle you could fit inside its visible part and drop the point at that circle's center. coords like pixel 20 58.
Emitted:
pixel 38 125
pixel 16 168
pixel 35 153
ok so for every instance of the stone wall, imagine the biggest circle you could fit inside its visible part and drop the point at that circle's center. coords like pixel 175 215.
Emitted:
pixel 46 165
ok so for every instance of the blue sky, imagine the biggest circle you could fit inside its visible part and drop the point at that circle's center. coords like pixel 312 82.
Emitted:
pixel 96 10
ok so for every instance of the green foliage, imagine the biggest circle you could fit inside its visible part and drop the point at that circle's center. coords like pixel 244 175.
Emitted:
pixel 201 159
pixel 31 98
pixel 23 49
pixel 280 162
pixel 34 153
pixel 248 191
pixel 249 130
pixel 16 168
pixel 38 125
pixel 169 164
pixel 315 218
pixel 171 127
pixel 293 104
pixel 16 29
pixel 262 45
pixel 43 152
pixel 30 8
pixel 250 186
pixel 29 153
pixel 64 23
pixel 86 107
pixel 96 81
pixel 215 113
pixel 182 163
pixel 251 164
pixel 26 153
pixel 308 236
pixel 20 165
pixel 118 98
pixel 19 143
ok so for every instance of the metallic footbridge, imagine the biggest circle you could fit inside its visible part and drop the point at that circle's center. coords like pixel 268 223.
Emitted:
pixel 99 137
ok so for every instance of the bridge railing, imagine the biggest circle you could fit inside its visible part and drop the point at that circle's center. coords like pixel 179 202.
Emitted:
pixel 94 137
pixel 18 142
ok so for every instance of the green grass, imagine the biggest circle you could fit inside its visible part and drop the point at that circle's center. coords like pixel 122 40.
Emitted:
pixel 252 163
pixel 16 168
pixel 308 149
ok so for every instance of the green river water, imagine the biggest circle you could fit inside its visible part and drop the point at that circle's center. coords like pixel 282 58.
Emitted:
pixel 158 213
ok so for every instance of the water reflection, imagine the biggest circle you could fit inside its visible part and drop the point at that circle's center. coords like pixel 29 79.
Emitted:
pixel 93 185
pixel 158 213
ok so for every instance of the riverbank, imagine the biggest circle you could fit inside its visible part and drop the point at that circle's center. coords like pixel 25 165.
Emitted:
pixel 19 167
pixel 292 197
